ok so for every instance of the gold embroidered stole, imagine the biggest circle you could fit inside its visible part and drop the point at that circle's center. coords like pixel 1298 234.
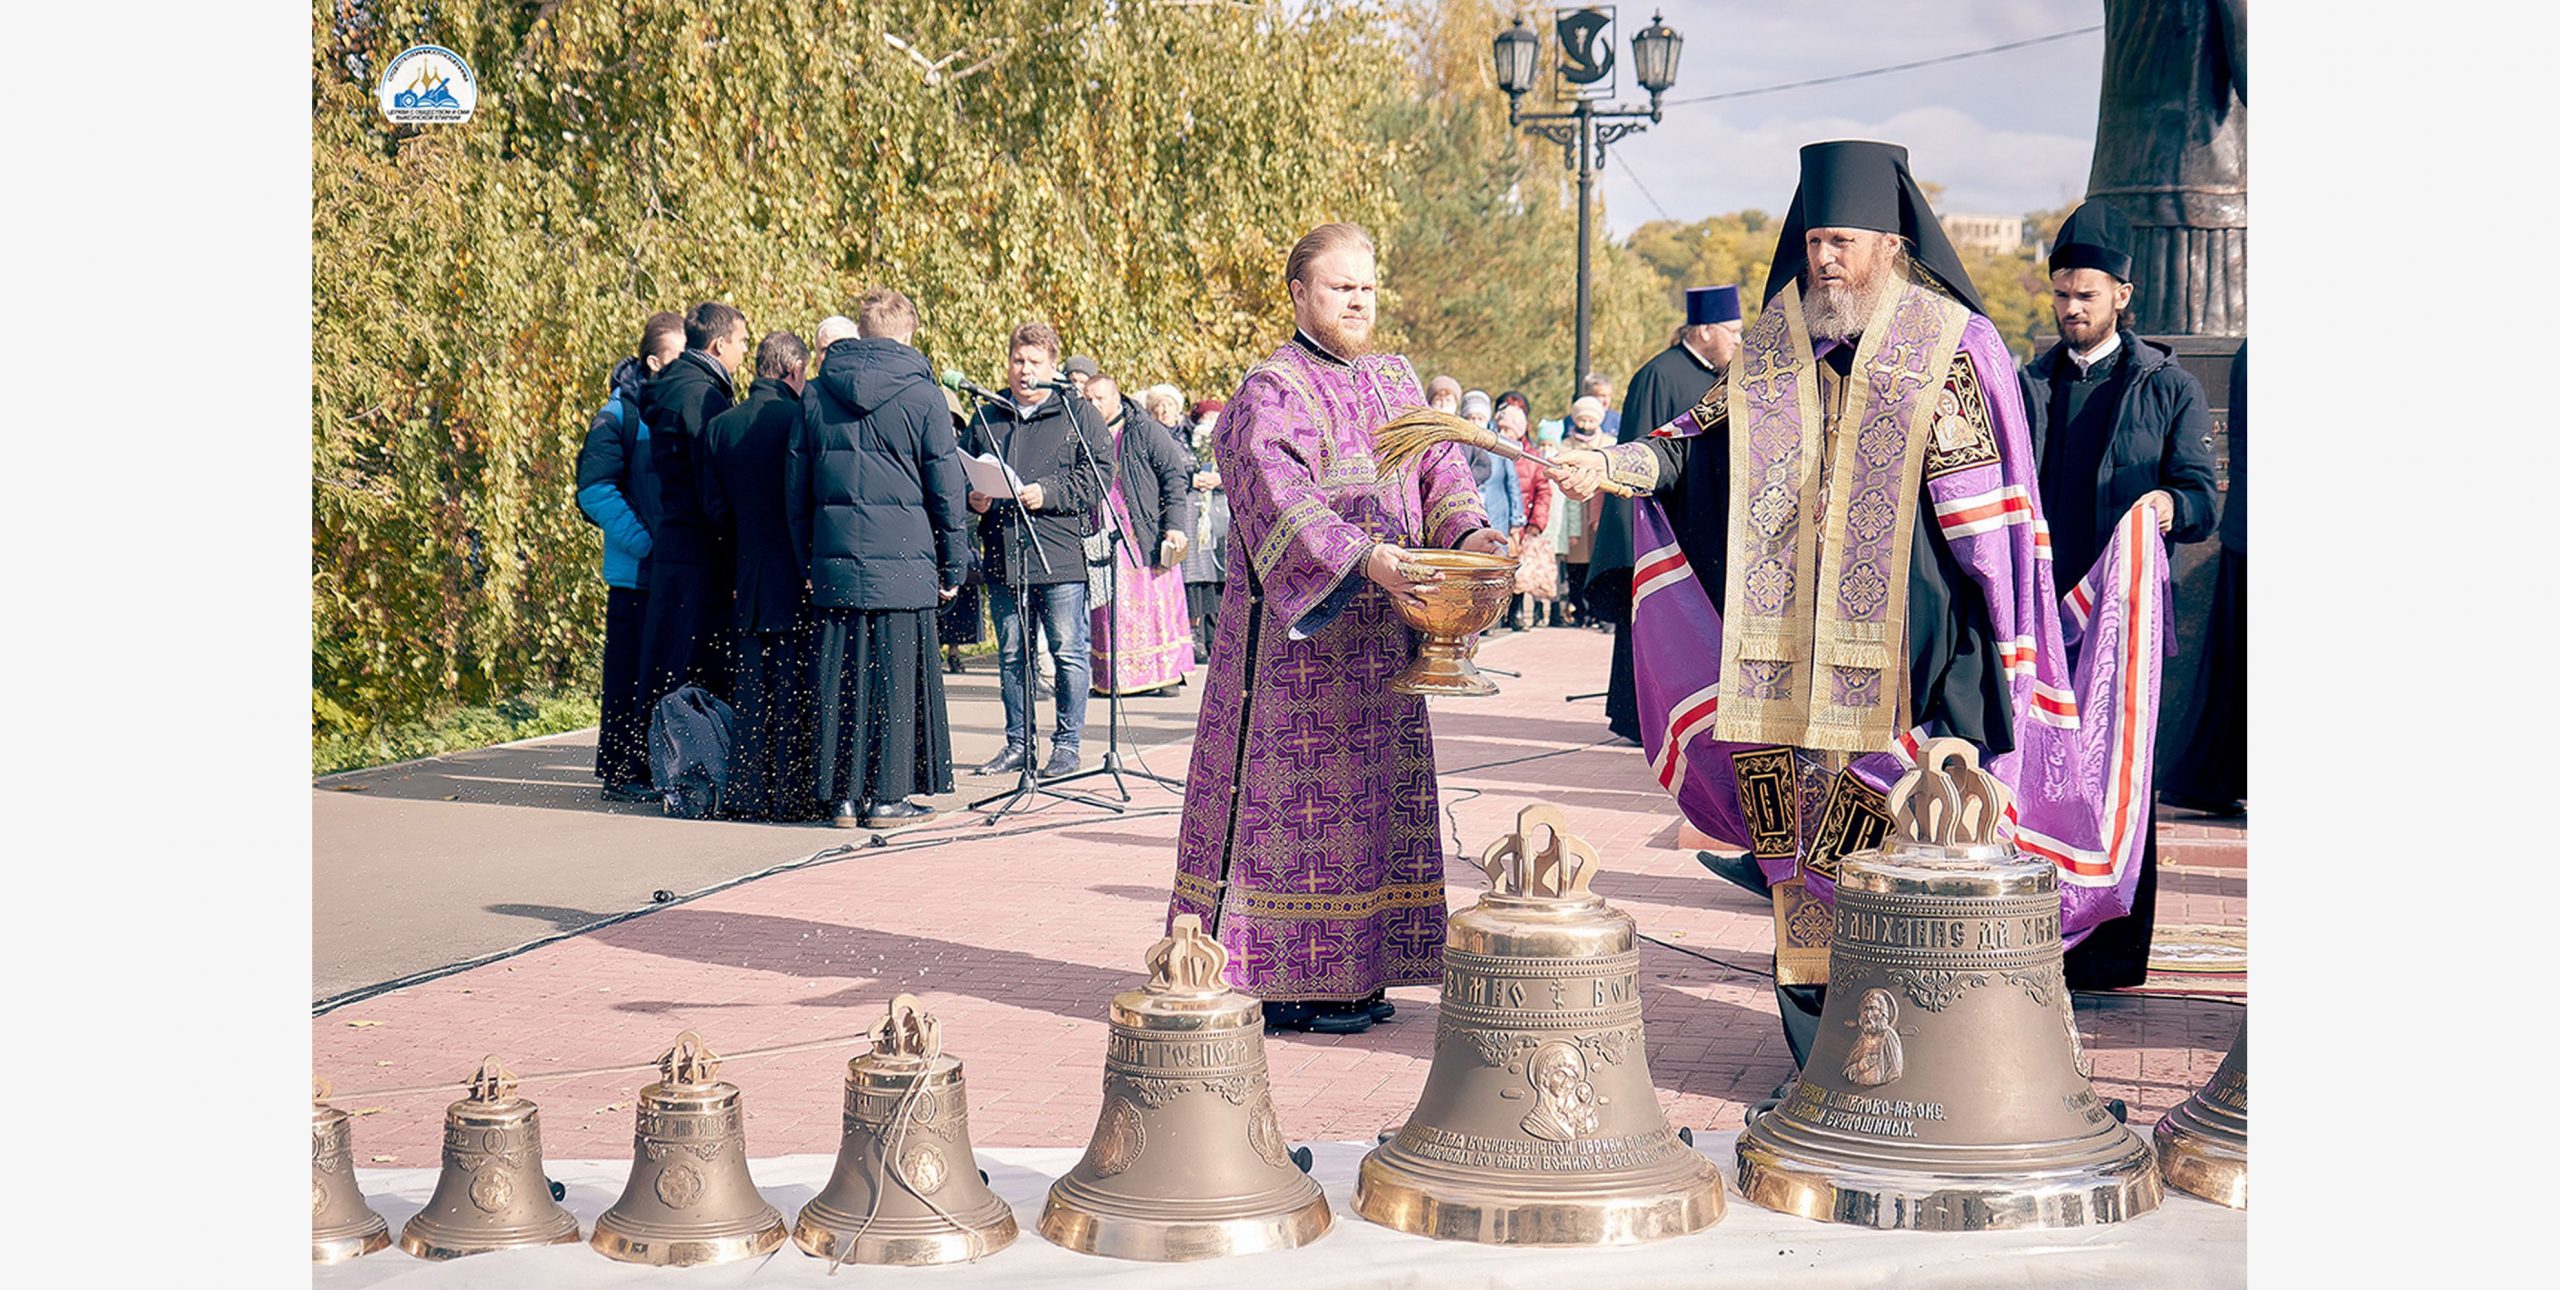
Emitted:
pixel 1814 612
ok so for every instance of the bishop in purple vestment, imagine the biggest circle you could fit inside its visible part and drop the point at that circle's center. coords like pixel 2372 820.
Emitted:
pixel 1311 826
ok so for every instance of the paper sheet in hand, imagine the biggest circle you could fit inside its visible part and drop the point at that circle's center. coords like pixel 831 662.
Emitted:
pixel 989 476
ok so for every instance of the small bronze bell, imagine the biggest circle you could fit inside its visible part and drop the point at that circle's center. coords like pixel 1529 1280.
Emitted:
pixel 690 1199
pixel 343 1227
pixel 1943 1090
pixel 2204 1141
pixel 1187 1160
pixel 906 1189
pixel 1539 1124
pixel 492 1194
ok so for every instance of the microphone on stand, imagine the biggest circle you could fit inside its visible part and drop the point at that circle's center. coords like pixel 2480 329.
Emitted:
pixel 952 379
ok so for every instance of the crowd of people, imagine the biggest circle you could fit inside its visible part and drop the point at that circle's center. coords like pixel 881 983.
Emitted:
pixel 806 562
pixel 816 556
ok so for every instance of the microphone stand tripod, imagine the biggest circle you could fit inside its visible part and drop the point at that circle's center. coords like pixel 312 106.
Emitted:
pixel 1027 786
pixel 1111 763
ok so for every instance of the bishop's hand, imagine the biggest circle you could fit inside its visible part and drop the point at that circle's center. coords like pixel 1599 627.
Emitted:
pixel 1578 472
pixel 1485 542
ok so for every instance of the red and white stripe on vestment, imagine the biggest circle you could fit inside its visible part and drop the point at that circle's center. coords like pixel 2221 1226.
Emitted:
pixel 1689 718
pixel 1984 512
pixel 1662 567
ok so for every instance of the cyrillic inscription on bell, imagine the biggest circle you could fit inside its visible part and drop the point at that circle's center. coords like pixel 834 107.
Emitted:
pixel 690 1199
pixel 2204 1141
pixel 1539 1124
pixel 1943 1091
pixel 343 1227
pixel 492 1194
pixel 1187 1160
pixel 906 1188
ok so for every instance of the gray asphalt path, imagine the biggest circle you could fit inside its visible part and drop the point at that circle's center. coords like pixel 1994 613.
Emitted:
pixel 432 862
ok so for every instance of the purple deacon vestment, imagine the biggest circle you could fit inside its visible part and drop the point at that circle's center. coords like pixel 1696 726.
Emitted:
pixel 1311 824
pixel 2082 665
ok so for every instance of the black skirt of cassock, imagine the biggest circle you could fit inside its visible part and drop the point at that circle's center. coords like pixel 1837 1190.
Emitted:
pixel 883 730
pixel 769 774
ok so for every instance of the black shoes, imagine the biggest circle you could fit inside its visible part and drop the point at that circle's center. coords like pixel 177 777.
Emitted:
pixel 846 815
pixel 1005 763
pixel 632 792
pixel 1063 760
pixel 897 815
pixel 1327 1016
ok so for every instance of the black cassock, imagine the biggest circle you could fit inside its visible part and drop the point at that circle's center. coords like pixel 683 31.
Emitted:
pixel 1669 384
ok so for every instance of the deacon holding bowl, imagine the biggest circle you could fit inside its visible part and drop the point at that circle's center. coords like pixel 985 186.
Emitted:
pixel 1311 825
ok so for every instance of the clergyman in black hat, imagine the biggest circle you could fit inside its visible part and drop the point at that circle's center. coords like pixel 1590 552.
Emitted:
pixel 2116 422
pixel 1881 579
pixel 1669 384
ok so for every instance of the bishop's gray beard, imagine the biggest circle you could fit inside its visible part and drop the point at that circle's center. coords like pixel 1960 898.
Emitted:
pixel 1838 313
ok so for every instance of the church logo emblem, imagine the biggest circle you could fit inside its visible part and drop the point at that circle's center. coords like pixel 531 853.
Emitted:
pixel 428 85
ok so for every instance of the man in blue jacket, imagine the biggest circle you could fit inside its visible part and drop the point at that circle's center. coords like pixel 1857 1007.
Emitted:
pixel 615 495
pixel 2114 421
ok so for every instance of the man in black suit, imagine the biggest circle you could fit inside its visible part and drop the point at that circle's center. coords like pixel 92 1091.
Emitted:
pixel 684 640
pixel 743 451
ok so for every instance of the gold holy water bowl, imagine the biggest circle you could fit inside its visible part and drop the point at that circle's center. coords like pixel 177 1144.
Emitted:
pixel 1471 592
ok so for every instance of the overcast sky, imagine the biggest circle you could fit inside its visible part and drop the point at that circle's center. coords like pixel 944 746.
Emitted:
pixel 2006 133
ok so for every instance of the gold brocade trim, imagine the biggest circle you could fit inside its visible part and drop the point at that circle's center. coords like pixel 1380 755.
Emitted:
pixel 1449 508
pixel 1202 889
pixel 1959 430
pixel 1632 464
pixel 1853 820
pixel 1783 671
pixel 1768 657
pixel 1303 906
pixel 1764 781
pixel 1804 934
pixel 1711 405
pixel 1296 519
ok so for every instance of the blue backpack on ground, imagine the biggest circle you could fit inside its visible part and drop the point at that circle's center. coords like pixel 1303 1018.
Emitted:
pixel 691 736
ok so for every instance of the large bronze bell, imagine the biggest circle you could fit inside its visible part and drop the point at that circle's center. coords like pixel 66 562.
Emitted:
pixel 906 1189
pixel 1539 1124
pixel 492 1194
pixel 2204 1141
pixel 343 1227
pixel 690 1199
pixel 1187 1160
pixel 1943 1090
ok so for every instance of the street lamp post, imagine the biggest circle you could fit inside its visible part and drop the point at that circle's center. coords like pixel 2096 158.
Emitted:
pixel 1586 133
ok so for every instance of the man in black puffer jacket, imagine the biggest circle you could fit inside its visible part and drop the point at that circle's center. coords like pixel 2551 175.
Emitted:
pixel 878 512
pixel 685 638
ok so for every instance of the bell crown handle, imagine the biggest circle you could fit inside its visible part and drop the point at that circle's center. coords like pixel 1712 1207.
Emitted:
pixel 690 1062
pixel 1947 799
pixel 1187 961
pixel 908 1031
pixel 1541 858
pixel 493 1082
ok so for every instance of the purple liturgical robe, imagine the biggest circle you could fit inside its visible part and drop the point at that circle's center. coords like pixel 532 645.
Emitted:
pixel 1311 825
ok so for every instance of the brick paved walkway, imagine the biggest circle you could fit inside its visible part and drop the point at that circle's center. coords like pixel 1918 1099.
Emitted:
pixel 1016 938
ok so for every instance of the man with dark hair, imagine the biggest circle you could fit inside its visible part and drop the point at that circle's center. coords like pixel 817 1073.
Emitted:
pixel 684 641
pixel 873 495
pixel 743 450
pixel 1037 539
pixel 2116 423
pixel 616 495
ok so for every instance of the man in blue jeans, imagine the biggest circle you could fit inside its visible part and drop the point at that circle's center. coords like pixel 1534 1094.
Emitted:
pixel 1047 437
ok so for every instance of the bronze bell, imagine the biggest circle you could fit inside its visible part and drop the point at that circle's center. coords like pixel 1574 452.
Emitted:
pixel 2204 1141
pixel 343 1227
pixel 1187 1160
pixel 906 1189
pixel 1943 1091
pixel 492 1194
pixel 1539 1124
pixel 690 1199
